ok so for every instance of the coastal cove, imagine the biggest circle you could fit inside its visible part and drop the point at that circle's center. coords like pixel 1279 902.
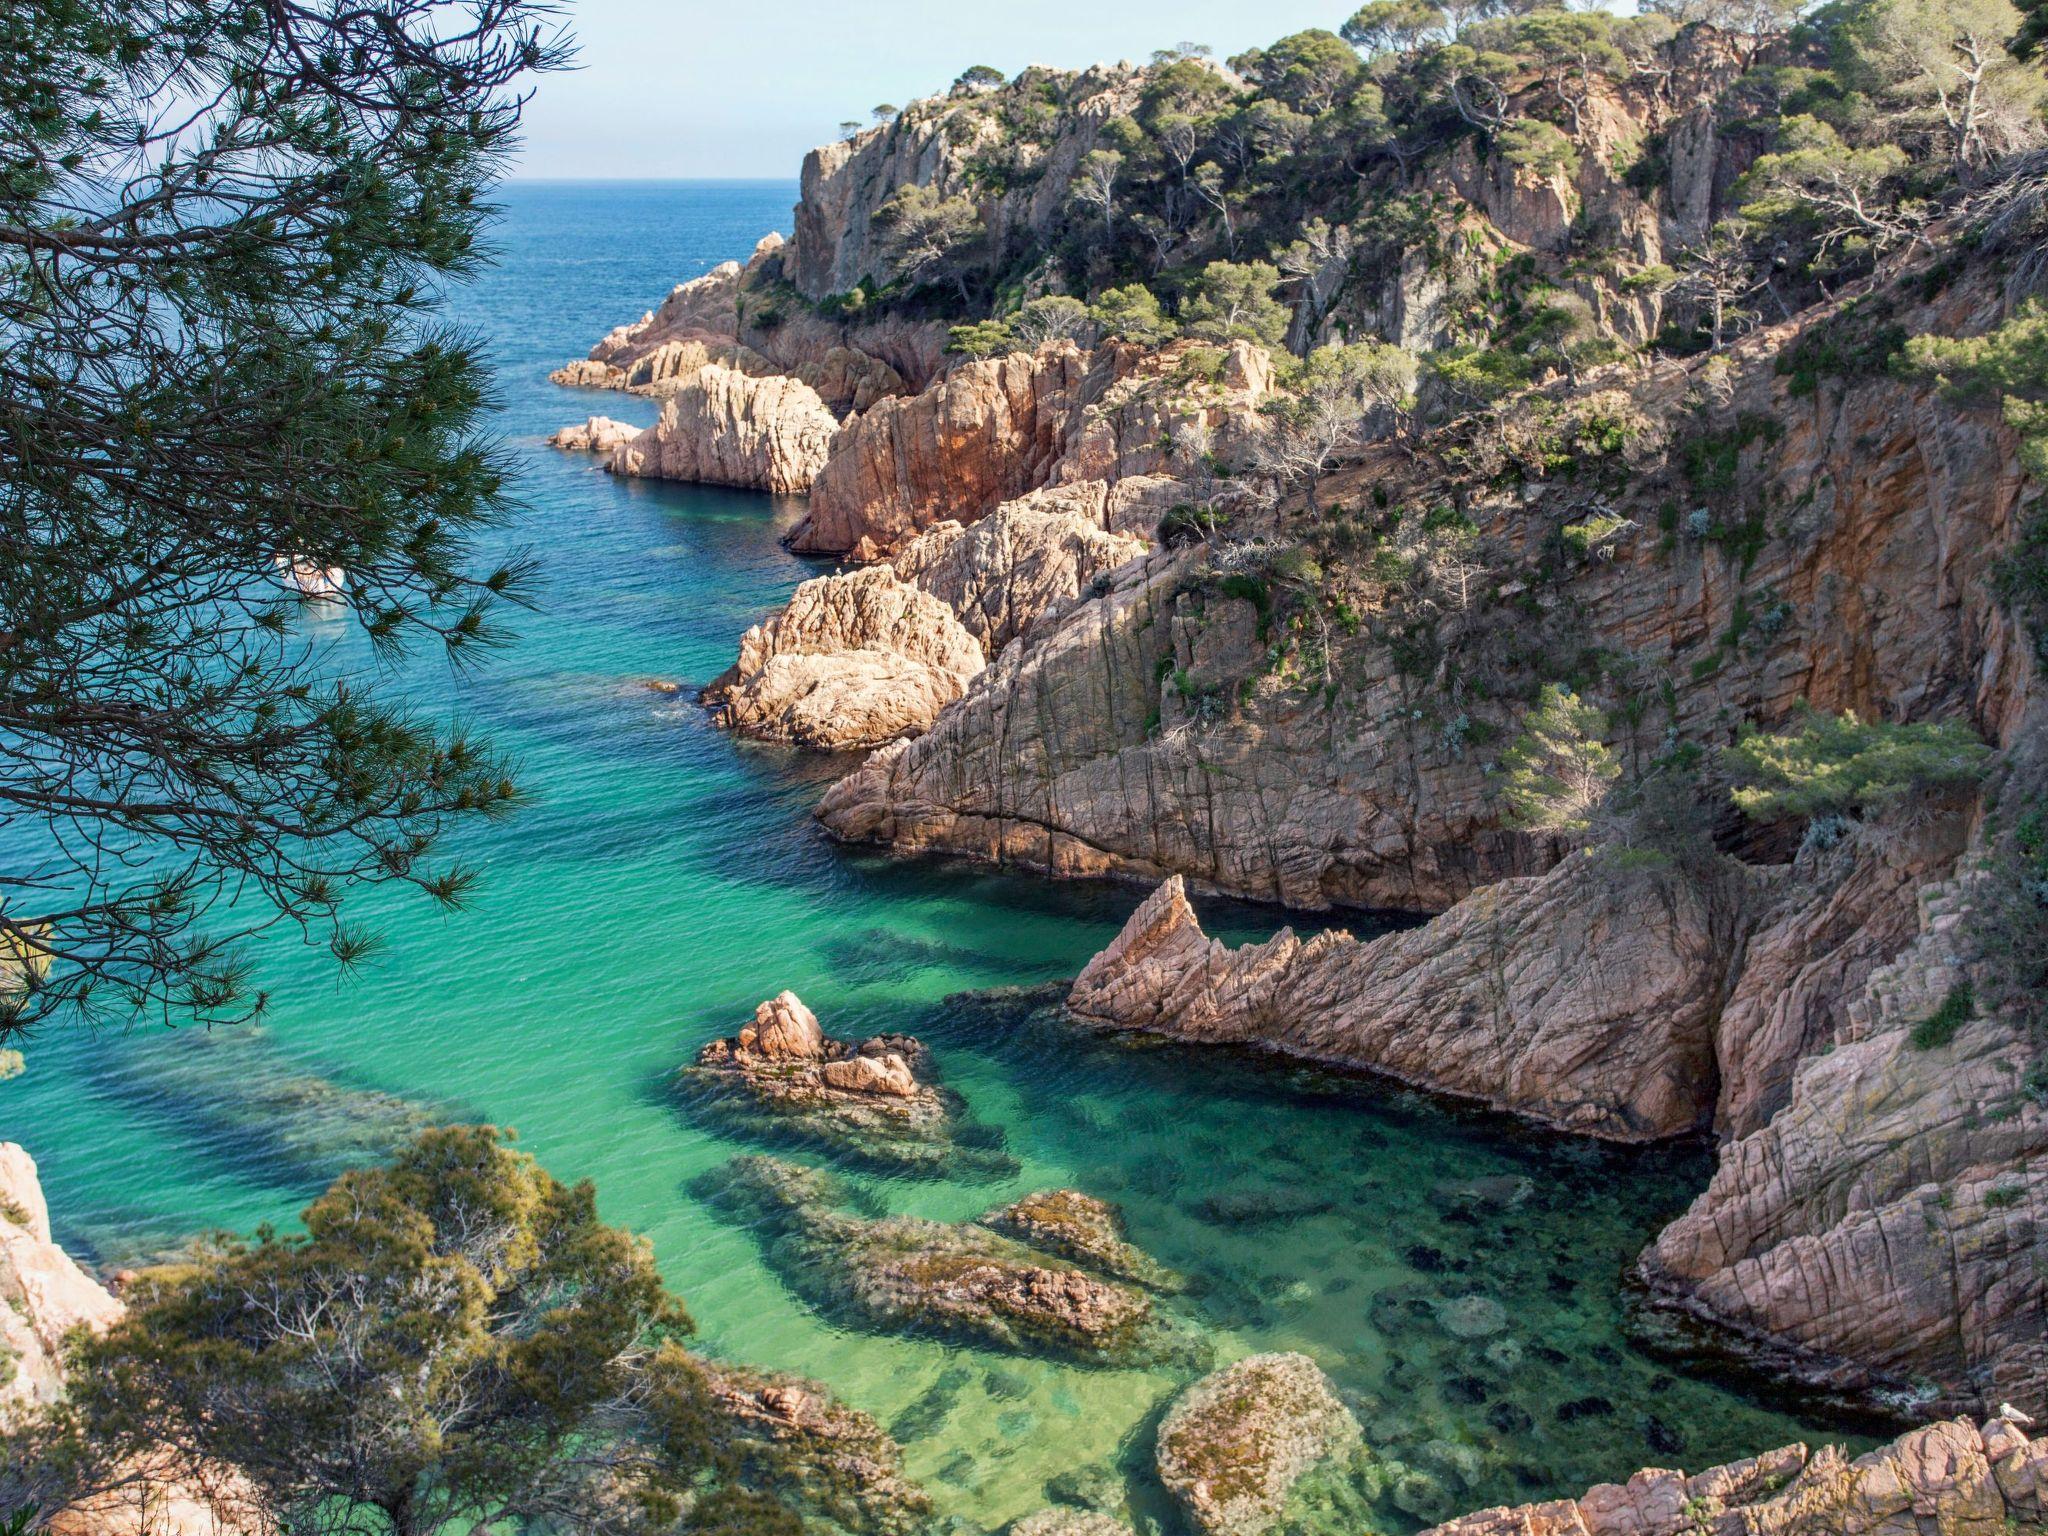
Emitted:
pixel 1459 1277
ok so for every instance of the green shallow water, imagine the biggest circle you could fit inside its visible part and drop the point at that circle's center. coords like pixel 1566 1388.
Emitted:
pixel 1458 1276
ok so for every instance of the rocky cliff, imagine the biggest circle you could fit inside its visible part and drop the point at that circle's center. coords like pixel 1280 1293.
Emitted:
pixel 1949 1477
pixel 47 1295
pixel 1768 545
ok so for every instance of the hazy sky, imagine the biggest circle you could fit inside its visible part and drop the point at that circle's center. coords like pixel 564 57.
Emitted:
pixel 743 87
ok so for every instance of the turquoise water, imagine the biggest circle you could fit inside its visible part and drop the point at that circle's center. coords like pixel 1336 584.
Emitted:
pixel 1459 1277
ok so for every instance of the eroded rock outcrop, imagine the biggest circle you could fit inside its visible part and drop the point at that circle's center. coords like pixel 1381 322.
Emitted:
pixel 794 1435
pixel 1949 1478
pixel 1883 1229
pixel 872 1102
pixel 855 660
pixel 1235 1444
pixel 906 1274
pixel 870 656
pixel 1586 998
pixel 723 427
pixel 599 435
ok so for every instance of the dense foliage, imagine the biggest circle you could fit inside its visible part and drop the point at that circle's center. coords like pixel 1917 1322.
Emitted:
pixel 223 229
pixel 455 1342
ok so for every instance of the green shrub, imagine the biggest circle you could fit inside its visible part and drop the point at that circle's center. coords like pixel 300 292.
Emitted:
pixel 1841 763
pixel 1940 1026
pixel 2004 1196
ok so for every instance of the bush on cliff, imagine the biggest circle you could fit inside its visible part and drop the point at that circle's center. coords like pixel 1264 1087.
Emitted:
pixel 1839 763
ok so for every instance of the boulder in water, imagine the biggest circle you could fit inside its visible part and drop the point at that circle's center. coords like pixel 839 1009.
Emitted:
pixel 1235 1444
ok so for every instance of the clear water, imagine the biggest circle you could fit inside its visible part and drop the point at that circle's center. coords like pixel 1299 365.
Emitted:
pixel 669 877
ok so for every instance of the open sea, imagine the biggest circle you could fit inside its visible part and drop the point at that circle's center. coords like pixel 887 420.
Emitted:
pixel 1459 1276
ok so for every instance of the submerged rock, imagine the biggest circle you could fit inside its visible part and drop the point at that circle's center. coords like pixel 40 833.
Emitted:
pixel 1069 1522
pixel 1079 1227
pixel 1236 1443
pixel 905 1274
pixel 873 1102
pixel 793 1435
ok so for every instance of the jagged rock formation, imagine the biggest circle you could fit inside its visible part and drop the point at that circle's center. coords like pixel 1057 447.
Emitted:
pixel 907 1274
pixel 870 656
pixel 855 660
pixel 1883 1229
pixel 1583 998
pixel 1949 1477
pixel 873 1103
pixel 1068 1522
pixel 724 427
pixel 1234 1445
pixel 995 430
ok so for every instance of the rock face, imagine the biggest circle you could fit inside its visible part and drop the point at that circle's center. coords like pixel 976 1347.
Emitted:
pixel 996 430
pixel 986 433
pixel 723 427
pixel 1144 736
pixel 905 1274
pixel 46 1294
pixel 1580 998
pixel 855 660
pixel 870 656
pixel 1883 1229
pixel 1948 1477
pixel 873 1103
pixel 1234 1444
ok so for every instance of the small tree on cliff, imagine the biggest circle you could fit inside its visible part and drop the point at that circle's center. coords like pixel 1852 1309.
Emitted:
pixel 1233 301
pixel 1326 407
pixel 222 228
pixel 1561 773
pixel 928 236
pixel 457 1342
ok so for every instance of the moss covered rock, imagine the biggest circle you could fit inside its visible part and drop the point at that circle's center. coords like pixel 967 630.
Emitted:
pixel 1236 1443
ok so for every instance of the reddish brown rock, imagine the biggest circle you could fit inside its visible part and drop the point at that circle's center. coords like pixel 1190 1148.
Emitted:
pixel 722 427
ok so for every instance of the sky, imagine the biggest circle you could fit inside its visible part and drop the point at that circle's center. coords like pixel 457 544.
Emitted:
pixel 741 88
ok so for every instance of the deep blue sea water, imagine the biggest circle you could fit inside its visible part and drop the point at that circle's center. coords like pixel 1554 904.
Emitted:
pixel 1458 1276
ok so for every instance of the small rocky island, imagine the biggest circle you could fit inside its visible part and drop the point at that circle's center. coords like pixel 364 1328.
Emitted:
pixel 872 1103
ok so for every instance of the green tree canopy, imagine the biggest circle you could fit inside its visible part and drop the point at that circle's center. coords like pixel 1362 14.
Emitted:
pixel 455 1342
pixel 1233 301
pixel 222 231
pixel 1836 763
pixel 1131 313
pixel 1560 772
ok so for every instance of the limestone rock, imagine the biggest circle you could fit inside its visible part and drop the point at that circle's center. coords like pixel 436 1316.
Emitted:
pixel 723 427
pixel 784 1029
pixel 1586 998
pixel 872 1102
pixel 1078 751
pixel 855 660
pixel 600 434
pixel 1082 1229
pixel 909 1275
pixel 1234 1444
pixel 1949 1477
